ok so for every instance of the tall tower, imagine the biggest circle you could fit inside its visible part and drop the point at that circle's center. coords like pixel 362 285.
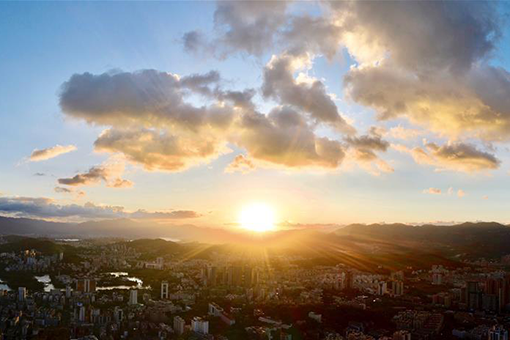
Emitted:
pixel 164 289
pixel 133 297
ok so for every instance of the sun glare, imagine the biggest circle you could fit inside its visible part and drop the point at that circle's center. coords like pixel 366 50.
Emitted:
pixel 257 217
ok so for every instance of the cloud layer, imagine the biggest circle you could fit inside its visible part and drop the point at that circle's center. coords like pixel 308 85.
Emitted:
pixel 48 208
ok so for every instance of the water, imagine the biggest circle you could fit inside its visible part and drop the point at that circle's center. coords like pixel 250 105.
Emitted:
pixel 46 279
pixel 4 286
pixel 139 282
pixel 170 239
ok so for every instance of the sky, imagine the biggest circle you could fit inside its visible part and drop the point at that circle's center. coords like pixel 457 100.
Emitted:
pixel 186 112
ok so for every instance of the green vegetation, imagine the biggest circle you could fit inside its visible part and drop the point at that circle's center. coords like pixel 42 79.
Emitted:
pixel 20 279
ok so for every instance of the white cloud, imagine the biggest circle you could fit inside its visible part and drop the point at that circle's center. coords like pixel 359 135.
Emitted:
pixel 48 153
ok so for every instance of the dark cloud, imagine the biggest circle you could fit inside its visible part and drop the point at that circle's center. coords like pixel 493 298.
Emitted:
pixel 47 208
pixel 454 156
pixel 363 149
pixel 110 172
pixel 284 138
pixel 248 26
pixel 309 95
pixel 63 190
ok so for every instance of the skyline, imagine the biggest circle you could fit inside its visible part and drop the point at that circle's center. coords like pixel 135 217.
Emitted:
pixel 321 111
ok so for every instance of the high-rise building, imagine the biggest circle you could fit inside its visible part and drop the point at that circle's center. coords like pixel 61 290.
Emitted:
pixel 381 288
pixel 199 325
pixel 498 333
pixel 81 314
pixel 348 280
pixel 212 275
pixel 397 288
pixel 437 279
pixel 68 291
pixel 22 294
pixel 179 325
pixel 86 285
pixel 237 275
pixel 118 314
pixel 164 289
pixel 473 295
pixel 133 297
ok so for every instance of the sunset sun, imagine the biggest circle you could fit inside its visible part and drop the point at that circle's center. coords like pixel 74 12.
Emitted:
pixel 257 217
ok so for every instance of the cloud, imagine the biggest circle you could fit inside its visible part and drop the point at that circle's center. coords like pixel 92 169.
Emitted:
pixel 453 156
pixel 284 138
pixel 110 172
pixel 460 193
pixel 243 26
pixel 474 104
pixel 363 149
pixel 240 164
pixel 143 99
pixel 63 190
pixel 39 174
pixel 438 35
pixel 159 150
pixel 48 208
pixel 48 153
pixel 400 132
pixel 310 96
pixel 151 123
pixel 432 191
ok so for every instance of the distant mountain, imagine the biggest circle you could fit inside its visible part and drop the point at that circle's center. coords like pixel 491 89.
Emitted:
pixel 486 239
pixel 27 226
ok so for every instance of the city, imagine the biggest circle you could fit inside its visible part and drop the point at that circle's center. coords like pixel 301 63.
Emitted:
pixel 157 289
pixel 255 170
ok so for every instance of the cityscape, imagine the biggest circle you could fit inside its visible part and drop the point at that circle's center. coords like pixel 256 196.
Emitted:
pixel 255 170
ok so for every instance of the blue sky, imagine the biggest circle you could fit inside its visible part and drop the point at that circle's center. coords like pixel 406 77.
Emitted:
pixel 44 44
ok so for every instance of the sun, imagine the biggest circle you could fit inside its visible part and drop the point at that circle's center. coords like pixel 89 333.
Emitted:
pixel 257 217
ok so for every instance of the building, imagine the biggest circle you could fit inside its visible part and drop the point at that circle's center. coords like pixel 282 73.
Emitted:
pixel 86 285
pixel 216 310
pixel 179 325
pixel 133 297
pixel 382 288
pixel 498 333
pixel 212 273
pixel 164 289
pixel 81 314
pixel 473 295
pixel 315 316
pixel 118 314
pixel 22 294
pixel 199 325
pixel 397 288
pixel 401 335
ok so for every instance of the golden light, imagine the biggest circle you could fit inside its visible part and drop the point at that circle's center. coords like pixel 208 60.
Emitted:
pixel 257 217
